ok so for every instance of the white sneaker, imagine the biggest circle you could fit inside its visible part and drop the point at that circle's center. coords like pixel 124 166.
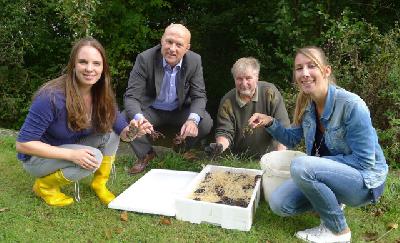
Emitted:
pixel 321 234
pixel 303 234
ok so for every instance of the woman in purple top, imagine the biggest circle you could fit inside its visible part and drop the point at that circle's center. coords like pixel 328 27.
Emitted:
pixel 73 127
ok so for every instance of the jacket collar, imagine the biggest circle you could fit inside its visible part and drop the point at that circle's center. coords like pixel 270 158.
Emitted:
pixel 329 103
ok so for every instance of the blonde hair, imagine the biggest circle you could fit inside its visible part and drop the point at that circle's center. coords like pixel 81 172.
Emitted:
pixel 242 64
pixel 303 100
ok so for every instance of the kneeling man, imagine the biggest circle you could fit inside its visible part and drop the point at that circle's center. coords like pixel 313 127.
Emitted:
pixel 237 106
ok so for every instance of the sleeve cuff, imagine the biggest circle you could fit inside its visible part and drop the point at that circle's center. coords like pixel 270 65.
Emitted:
pixel 138 116
pixel 195 117
pixel 270 123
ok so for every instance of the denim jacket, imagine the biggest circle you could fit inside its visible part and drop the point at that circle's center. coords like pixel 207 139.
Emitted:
pixel 349 134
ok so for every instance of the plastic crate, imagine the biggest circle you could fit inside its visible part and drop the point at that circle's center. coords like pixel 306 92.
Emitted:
pixel 226 216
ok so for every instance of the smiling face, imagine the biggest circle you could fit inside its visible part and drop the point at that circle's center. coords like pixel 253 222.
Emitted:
pixel 88 66
pixel 246 82
pixel 175 43
pixel 311 76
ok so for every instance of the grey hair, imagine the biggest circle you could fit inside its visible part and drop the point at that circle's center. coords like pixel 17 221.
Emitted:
pixel 242 64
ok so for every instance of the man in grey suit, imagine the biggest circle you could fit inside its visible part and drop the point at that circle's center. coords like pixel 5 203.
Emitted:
pixel 166 87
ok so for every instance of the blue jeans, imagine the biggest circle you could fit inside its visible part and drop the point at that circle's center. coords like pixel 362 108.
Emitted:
pixel 321 185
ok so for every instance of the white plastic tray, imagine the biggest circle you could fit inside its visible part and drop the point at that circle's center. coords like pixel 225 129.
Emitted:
pixel 154 193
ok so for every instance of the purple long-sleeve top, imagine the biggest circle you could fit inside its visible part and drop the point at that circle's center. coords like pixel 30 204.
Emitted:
pixel 47 122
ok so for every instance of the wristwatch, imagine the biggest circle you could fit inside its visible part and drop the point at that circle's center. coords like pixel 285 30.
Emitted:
pixel 193 120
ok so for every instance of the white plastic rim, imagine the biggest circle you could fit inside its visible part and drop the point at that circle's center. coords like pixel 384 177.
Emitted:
pixel 278 162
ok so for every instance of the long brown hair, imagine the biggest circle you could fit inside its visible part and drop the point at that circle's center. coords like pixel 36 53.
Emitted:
pixel 104 104
pixel 303 100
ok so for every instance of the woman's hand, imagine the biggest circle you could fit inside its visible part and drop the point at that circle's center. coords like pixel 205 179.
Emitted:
pixel 85 158
pixel 82 157
pixel 136 129
pixel 259 120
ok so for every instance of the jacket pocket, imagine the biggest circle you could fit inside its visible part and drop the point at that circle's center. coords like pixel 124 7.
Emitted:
pixel 336 140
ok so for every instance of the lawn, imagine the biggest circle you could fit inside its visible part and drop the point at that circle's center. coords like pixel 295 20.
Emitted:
pixel 25 218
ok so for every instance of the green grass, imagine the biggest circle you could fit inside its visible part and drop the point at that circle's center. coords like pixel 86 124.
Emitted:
pixel 28 219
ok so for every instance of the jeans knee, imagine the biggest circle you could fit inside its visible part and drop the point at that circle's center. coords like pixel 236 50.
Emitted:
pixel 277 206
pixel 298 167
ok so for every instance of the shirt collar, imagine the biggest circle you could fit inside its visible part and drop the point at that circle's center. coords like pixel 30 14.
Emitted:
pixel 241 103
pixel 166 65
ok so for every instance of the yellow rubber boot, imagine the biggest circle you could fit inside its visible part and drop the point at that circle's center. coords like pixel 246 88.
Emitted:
pixel 100 180
pixel 48 188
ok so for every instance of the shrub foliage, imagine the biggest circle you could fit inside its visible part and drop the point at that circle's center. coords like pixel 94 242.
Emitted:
pixel 363 45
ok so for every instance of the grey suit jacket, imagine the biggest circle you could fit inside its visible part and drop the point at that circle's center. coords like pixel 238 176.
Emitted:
pixel 146 77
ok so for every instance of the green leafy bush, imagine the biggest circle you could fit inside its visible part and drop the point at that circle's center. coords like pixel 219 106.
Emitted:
pixel 367 63
pixel 36 37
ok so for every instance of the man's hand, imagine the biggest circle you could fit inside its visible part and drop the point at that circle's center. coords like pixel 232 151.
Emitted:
pixel 280 147
pixel 189 129
pixel 214 149
pixel 145 127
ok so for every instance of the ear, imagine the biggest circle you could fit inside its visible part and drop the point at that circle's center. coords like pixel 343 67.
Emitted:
pixel 188 46
pixel 327 71
pixel 162 39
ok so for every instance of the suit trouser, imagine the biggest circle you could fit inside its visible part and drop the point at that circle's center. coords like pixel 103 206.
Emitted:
pixel 176 118
pixel 100 144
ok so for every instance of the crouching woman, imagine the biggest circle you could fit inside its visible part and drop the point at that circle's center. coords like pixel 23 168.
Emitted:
pixel 73 128
pixel 345 163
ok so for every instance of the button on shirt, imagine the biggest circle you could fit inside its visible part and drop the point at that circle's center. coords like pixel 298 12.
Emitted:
pixel 168 98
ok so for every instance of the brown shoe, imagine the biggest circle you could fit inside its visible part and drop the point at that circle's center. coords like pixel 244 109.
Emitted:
pixel 141 164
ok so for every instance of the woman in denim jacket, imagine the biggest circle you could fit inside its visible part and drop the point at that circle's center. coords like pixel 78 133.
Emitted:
pixel 345 163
